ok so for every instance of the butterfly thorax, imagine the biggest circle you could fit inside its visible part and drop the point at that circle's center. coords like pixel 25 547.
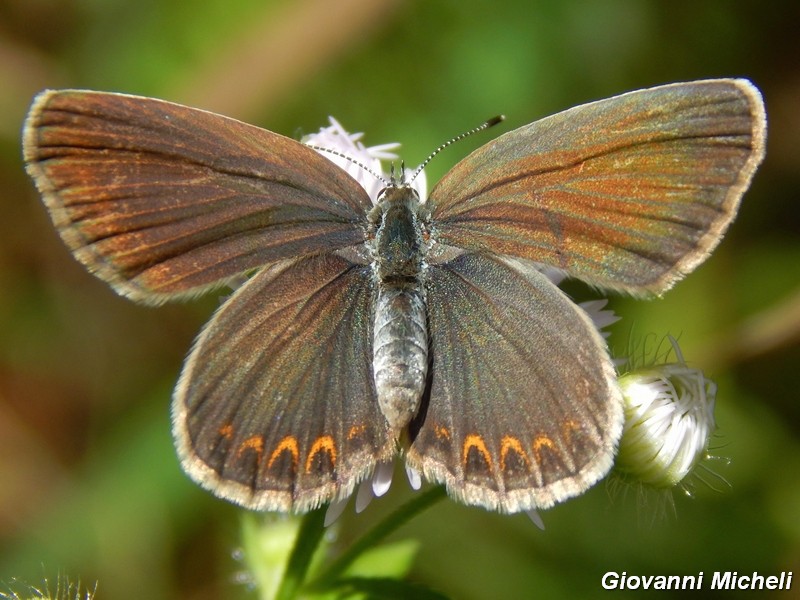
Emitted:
pixel 398 242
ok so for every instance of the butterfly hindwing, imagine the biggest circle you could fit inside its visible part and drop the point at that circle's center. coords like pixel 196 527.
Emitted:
pixel 276 407
pixel 523 409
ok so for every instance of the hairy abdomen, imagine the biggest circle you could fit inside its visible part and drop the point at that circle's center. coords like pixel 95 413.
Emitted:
pixel 400 350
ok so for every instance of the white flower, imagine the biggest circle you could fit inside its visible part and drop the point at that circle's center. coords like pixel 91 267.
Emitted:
pixel 669 419
pixel 361 162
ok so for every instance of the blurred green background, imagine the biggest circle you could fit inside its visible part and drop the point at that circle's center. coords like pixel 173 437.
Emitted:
pixel 89 482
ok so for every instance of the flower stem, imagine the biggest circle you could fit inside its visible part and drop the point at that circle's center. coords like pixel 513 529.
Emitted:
pixel 308 538
pixel 395 520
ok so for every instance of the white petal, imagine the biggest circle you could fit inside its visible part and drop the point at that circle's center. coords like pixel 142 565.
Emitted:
pixel 414 478
pixel 536 518
pixel 382 478
pixel 335 510
pixel 364 496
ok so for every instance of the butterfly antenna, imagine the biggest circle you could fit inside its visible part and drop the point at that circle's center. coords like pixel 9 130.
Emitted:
pixel 485 125
pixel 350 159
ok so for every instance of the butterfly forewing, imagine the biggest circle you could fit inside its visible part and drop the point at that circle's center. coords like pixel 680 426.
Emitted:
pixel 162 200
pixel 523 409
pixel 629 193
pixel 276 408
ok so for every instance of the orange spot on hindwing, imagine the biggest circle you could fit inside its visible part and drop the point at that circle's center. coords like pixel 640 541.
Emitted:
pixel 513 457
pixel 356 431
pixel 287 444
pixel 575 436
pixel 542 441
pixel 322 452
pixel 550 458
pixel 442 432
pixel 254 442
pixel 477 462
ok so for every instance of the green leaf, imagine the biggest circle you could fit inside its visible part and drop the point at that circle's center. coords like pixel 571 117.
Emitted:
pixel 385 589
pixel 387 560
pixel 399 517
pixel 279 551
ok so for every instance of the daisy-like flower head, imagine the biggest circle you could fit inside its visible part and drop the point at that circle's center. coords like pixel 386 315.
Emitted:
pixel 669 419
pixel 349 153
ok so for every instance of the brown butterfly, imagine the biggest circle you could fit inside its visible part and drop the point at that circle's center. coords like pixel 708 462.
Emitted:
pixel 369 327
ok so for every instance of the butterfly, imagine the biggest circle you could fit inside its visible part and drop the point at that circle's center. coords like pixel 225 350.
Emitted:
pixel 372 328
